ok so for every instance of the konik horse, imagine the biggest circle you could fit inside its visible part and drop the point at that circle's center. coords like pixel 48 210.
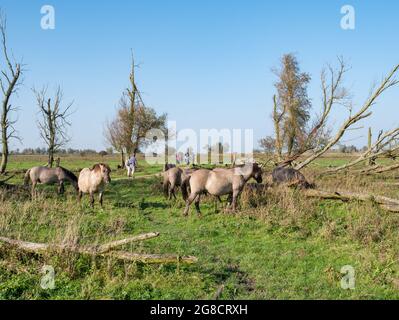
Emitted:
pixel 47 175
pixel 220 182
pixel 176 177
pixel 93 181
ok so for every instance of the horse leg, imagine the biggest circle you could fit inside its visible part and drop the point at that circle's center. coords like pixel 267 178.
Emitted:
pixel 33 189
pixel 229 199
pixel 92 199
pixel 61 188
pixel 189 201
pixel 80 193
pixel 236 194
pixel 166 189
pixel 101 199
pixel 215 203
pixel 197 202
pixel 172 190
pixel 173 193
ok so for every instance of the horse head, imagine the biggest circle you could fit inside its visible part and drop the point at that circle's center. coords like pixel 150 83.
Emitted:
pixel 250 170
pixel 104 170
pixel 257 172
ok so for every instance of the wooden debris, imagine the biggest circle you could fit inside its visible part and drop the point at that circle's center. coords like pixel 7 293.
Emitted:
pixel 385 169
pixel 109 246
pixel 151 258
pixel 385 202
pixel 104 250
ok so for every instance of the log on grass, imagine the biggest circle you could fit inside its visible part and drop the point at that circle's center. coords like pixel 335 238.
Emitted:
pixel 392 208
pixel 111 245
pixel 40 248
pixel 150 258
pixel 387 203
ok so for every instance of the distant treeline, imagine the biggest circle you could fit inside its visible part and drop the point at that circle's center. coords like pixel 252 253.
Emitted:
pixel 44 151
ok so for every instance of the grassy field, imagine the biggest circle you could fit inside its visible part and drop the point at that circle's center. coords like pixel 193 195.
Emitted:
pixel 279 246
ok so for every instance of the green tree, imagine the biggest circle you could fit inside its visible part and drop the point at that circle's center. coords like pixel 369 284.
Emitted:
pixel 292 106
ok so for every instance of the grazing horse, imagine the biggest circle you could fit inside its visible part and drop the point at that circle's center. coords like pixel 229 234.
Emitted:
pixel 94 180
pixel 220 182
pixel 290 176
pixel 50 176
pixel 176 177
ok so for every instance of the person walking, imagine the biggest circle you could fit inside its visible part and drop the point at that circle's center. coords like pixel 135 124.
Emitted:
pixel 131 165
pixel 187 158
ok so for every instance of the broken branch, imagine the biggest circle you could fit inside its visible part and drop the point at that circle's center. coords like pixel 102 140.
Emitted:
pixel 104 250
pixel 109 246
pixel 387 203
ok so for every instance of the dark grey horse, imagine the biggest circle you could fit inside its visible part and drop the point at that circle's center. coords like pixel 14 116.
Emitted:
pixel 290 176
pixel 47 175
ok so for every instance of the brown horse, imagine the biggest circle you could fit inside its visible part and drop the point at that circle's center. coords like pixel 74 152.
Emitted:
pixel 176 177
pixel 94 180
pixel 220 182
pixel 47 175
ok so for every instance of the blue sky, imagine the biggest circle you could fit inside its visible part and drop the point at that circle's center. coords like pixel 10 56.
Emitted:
pixel 206 63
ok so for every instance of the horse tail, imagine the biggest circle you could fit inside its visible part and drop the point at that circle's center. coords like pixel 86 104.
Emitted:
pixel 27 177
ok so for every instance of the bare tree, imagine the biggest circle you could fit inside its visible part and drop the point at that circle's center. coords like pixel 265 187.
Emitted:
pixel 54 123
pixel 333 93
pixel 136 123
pixel 268 144
pixel 381 147
pixel 295 131
pixel 296 137
pixel 127 132
pixel 10 79
pixel 114 137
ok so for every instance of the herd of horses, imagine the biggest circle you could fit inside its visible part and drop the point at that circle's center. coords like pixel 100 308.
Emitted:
pixel 224 181
pixel 193 182
pixel 217 182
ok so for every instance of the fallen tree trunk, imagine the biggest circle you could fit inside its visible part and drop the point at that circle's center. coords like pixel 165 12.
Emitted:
pixel 383 169
pixel 362 158
pixel 369 169
pixel 151 258
pixel 385 202
pixel 392 208
pixel 364 112
pixel 109 246
pixel 103 250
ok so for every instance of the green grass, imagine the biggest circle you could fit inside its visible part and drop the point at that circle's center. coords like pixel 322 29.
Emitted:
pixel 260 253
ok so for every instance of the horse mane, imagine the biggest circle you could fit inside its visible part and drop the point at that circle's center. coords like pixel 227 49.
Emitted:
pixel 69 174
pixel 96 167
